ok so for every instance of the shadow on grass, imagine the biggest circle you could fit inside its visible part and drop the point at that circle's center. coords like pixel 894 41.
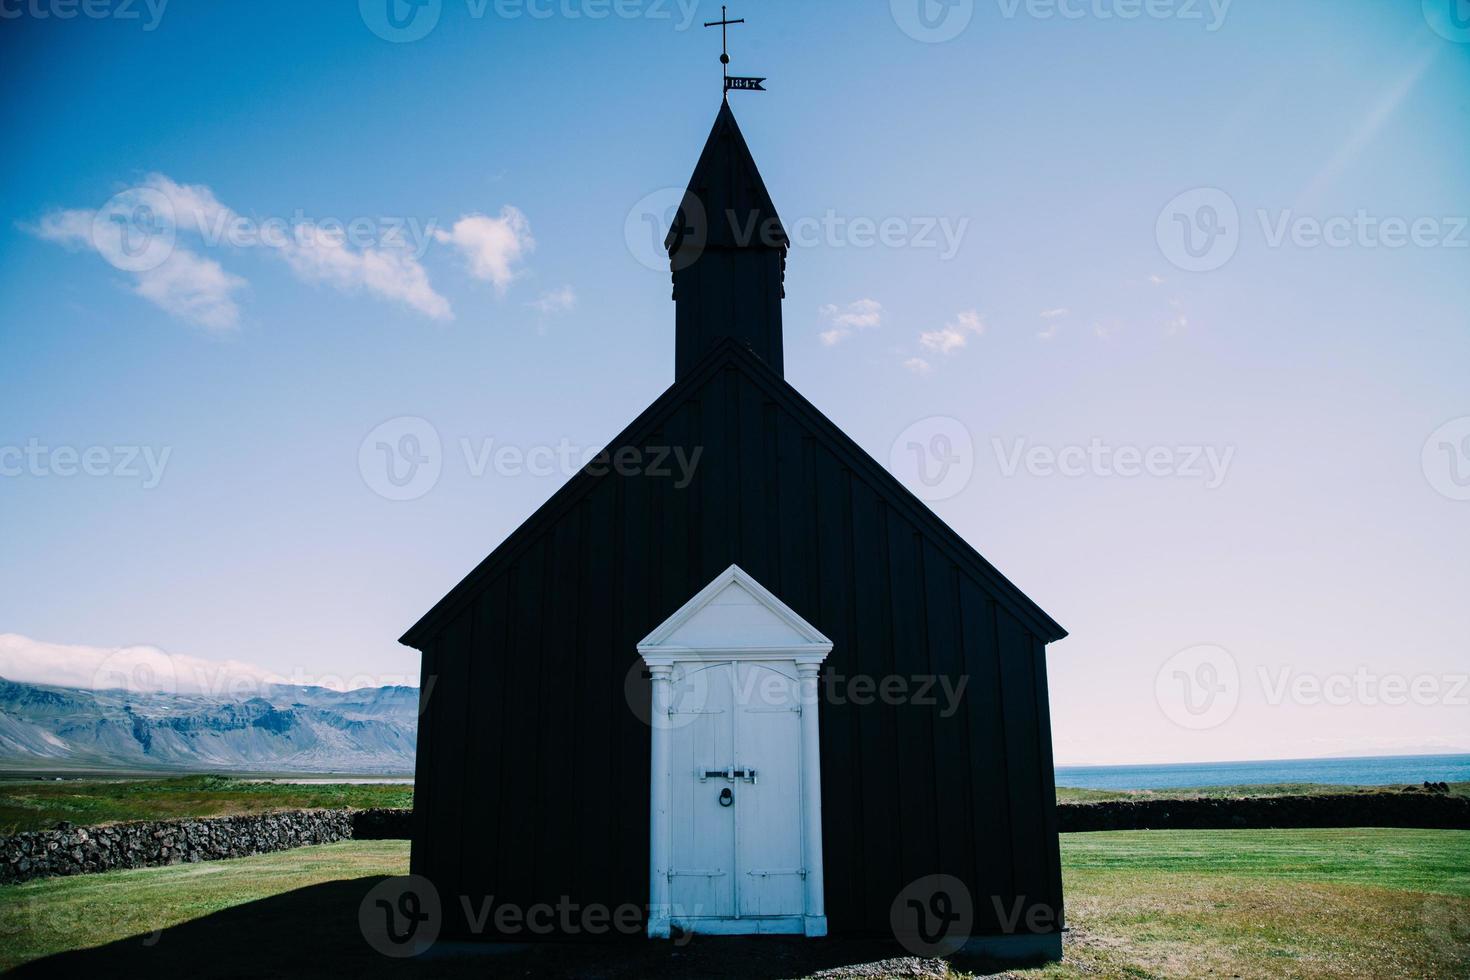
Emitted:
pixel 314 931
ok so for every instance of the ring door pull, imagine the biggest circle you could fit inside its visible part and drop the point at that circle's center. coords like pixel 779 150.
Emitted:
pixel 727 798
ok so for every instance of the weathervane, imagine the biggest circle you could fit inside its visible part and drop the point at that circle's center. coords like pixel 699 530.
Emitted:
pixel 732 82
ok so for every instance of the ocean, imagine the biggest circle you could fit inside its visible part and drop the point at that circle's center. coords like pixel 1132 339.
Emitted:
pixel 1363 771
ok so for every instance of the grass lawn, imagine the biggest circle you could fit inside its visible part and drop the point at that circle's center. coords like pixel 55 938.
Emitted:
pixel 1303 903
pixel 39 805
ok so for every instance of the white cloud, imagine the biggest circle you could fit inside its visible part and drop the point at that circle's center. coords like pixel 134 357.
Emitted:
pixel 318 255
pixel 953 335
pixel 1178 322
pixel 555 301
pixel 193 288
pixel 71 228
pixel 492 246
pixel 918 365
pixel 1053 314
pixel 138 232
pixel 1047 332
pixel 1157 280
pixel 841 321
pixel 195 208
pixel 183 283
pixel 132 668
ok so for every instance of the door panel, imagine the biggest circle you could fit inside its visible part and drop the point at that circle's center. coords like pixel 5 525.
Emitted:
pixel 768 740
pixel 703 831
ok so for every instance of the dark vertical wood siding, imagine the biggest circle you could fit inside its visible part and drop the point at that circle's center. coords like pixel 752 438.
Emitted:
pixel 534 749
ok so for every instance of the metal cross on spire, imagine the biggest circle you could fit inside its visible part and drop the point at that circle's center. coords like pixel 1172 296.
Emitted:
pixel 732 81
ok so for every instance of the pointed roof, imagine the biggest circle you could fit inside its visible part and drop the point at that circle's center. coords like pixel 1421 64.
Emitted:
pixel 726 204
pixel 726 355
pixel 703 624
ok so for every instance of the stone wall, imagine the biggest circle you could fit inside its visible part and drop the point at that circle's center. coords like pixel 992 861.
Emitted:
pixel 1343 810
pixel 70 850
pixel 381 824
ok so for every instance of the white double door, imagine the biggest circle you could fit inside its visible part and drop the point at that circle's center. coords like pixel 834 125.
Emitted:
pixel 736 797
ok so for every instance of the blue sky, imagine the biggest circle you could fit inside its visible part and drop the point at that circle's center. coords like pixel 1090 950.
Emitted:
pixel 1099 240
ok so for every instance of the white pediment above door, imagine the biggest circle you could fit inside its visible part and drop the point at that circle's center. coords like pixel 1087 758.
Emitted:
pixel 734 613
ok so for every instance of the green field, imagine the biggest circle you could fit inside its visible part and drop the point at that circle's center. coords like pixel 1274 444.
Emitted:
pixel 29 804
pixel 33 804
pixel 1286 903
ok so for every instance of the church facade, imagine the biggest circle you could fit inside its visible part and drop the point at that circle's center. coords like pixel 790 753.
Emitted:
pixel 668 689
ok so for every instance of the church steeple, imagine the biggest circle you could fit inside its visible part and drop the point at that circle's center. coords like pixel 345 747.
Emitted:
pixel 727 252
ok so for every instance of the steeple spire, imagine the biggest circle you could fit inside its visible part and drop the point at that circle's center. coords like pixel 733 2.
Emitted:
pixel 727 251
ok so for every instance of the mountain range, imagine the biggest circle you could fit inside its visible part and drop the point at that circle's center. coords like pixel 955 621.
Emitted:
pixel 275 728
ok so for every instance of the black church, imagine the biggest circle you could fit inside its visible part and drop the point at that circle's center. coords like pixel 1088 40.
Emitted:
pixel 647 694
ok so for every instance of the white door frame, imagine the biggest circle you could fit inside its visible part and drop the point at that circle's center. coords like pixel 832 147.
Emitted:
pixel 662 650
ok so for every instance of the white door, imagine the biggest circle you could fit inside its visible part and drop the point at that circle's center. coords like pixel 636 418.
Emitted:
pixel 736 797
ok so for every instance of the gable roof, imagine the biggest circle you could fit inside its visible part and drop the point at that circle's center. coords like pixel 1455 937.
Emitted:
pixel 736 591
pixel 730 353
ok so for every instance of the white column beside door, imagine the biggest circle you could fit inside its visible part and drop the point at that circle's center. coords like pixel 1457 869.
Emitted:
pixel 658 837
